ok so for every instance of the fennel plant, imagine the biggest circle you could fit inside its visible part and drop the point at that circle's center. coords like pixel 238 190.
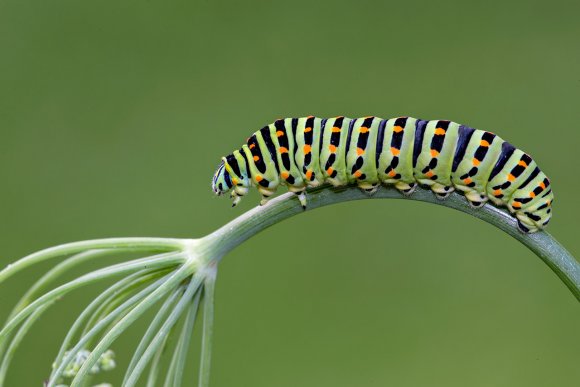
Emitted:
pixel 177 277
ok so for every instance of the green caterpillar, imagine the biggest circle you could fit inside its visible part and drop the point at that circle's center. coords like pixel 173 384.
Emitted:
pixel 404 151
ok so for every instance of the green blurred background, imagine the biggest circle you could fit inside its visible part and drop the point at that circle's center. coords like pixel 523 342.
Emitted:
pixel 113 117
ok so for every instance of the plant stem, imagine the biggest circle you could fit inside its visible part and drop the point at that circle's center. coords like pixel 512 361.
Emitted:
pixel 18 339
pixel 156 365
pixel 54 273
pixel 174 377
pixel 133 302
pixel 207 330
pixel 153 328
pixel 165 287
pixel 196 260
pixel 138 277
pixel 126 244
pixel 162 333
pixel 541 243
pixel 159 261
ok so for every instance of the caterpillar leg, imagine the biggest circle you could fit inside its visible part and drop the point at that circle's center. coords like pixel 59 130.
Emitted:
pixel 406 188
pixel 442 191
pixel 525 225
pixel 335 182
pixel 236 199
pixel 302 198
pixel 300 191
pixel 475 199
pixel 371 189
pixel 266 194
pixel 237 194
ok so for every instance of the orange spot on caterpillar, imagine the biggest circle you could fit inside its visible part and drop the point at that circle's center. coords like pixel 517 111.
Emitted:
pixel 429 174
pixel 364 129
pixel 439 131
pixel 256 158
pixel 283 149
pixel 497 192
pixel 467 181
pixel 484 143
pixel 235 181
pixel 252 146
pixel 329 171
pixel 258 178
pixel 357 174
pixel 397 129
pixel 532 194
pixel 542 185
pixel 279 133
pixel 395 151
pixel 475 161
pixel 335 129
pixel 284 175
pixel 310 117
pixel 332 148
pixel 360 151
pixel 392 173
pixel 307 149
pixel 523 163
pixel 511 177
pixel 309 174
pixel 307 129
pixel 517 205
pixel 434 153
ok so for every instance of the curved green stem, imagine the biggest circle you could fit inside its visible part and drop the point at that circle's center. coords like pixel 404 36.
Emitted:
pixel 153 328
pixel 156 364
pixel 174 377
pixel 159 261
pixel 168 285
pixel 134 302
pixel 125 244
pixel 197 259
pixel 207 332
pixel 159 339
pixel 139 278
pixel 541 243
pixel 18 339
pixel 54 273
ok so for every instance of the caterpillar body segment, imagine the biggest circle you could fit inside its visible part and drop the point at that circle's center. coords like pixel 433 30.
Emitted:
pixel 307 151
pixel 395 146
pixel 333 151
pixel 282 131
pixel 361 153
pixel 402 151
pixel 433 164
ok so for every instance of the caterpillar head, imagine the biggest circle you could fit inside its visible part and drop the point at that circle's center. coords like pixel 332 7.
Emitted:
pixel 231 175
pixel 221 182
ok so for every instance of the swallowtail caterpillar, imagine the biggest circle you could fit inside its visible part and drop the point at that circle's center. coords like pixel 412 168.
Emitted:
pixel 404 151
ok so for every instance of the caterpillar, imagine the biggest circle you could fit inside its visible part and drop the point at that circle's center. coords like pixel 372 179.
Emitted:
pixel 403 152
